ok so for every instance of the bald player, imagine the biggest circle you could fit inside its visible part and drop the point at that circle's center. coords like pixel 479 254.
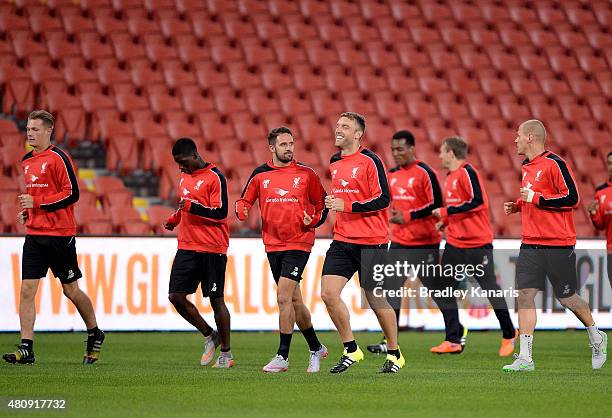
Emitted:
pixel 548 196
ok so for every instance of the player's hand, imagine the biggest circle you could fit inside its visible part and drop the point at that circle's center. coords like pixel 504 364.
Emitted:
pixel 440 226
pixel 169 226
pixel 510 207
pixel 336 204
pixel 593 207
pixel 329 199
pixel 245 211
pixel 307 219
pixel 26 201
pixel 22 217
pixel 437 212
pixel 527 195
pixel 397 217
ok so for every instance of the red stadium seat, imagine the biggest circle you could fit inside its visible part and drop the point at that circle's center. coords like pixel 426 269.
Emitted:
pixel 369 79
pixel 208 75
pixel 292 102
pixel 18 97
pixel 451 106
pixel 176 75
pixel 359 31
pixel 483 34
pixel 260 102
pixel 228 101
pixel 400 80
pixel 473 58
pixel 215 127
pixel 320 53
pixel 268 29
pixel 389 105
pixel 358 102
pixel 298 29
pixel 256 51
pixel 338 79
pixel 349 54
pixel 223 51
pixel 391 32
pixel 493 82
pixel 241 76
pixel 158 215
pixel 247 127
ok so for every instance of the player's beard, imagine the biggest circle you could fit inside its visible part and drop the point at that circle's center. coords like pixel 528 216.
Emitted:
pixel 284 158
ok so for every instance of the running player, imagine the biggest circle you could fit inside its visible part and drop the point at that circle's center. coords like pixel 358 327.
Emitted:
pixel 415 193
pixel 360 196
pixel 469 241
pixel 548 196
pixel 47 211
pixel 291 200
pixel 203 239
pixel 601 212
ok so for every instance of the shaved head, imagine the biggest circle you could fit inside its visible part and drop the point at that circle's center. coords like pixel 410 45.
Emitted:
pixel 535 128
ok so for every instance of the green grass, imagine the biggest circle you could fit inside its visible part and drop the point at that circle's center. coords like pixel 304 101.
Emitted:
pixel 158 374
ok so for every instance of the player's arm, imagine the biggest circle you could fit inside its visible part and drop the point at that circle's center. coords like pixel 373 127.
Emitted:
pixel 476 198
pixel 434 191
pixel 563 181
pixel 379 190
pixel 65 177
pixel 247 198
pixel 173 220
pixel 316 196
pixel 218 200
pixel 596 214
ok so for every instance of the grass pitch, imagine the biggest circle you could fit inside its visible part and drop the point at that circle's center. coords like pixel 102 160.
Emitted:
pixel 158 374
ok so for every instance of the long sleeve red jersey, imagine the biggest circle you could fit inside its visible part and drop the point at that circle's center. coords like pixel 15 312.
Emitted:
pixel 202 221
pixel 361 181
pixel 284 194
pixel 603 218
pixel 50 178
pixel 415 191
pixel 467 209
pixel 549 219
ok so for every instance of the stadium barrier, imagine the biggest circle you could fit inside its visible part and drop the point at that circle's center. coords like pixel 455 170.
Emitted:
pixel 127 280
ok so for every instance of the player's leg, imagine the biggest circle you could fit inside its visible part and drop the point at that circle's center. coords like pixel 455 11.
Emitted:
pixel 213 287
pixel 304 322
pixel 331 289
pixel 561 264
pixel 487 281
pixel 189 312
pixel 456 333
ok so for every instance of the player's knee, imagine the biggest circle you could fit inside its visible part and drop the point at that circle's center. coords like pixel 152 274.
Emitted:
pixel 284 300
pixel 569 302
pixel 71 291
pixel 177 299
pixel 217 303
pixel 329 297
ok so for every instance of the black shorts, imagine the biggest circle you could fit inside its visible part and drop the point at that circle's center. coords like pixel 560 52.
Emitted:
pixel 190 268
pixel 345 259
pixel 536 262
pixel 417 255
pixel 44 252
pixel 289 264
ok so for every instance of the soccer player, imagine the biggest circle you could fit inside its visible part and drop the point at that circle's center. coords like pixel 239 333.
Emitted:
pixel 291 199
pixel 548 195
pixel 360 197
pixel 601 212
pixel 415 193
pixel 203 239
pixel 469 241
pixel 47 212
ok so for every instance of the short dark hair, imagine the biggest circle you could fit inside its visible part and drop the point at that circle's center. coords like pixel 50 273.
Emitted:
pixel 609 154
pixel 457 145
pixel 46 117
pixel 184 146
pixel 359 119
pixel 406 136
pixel 274 133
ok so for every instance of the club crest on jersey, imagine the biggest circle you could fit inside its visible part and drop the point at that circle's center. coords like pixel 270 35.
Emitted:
pixel 354 172
pixel 198 184
pixel 411 182
pixel 296 182
pixel 455 184
pixel 538 175
pixel 265 183
pixel 43 168
pixel 281 192
pixel 344 183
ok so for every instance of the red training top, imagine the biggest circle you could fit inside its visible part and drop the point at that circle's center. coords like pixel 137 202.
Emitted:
pixel 360 180
pixel 50 178
pixel 202 221
pixel 549 219
pixel 415 190
pixel 284 194
pixel 467 209
pixel 603 218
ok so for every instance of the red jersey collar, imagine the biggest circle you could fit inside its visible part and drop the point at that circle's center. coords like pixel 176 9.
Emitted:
pixel 353 154
pixel 291 165
pixel 527 160
pixel 409 166
pixel 199 171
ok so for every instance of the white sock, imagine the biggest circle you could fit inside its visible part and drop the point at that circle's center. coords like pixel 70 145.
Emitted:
pixel 526 344
pixel 594 335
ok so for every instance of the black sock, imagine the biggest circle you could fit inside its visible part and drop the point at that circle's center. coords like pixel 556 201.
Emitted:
pixel 225 350
pixel 395 353
pixel 28 343
pixel 283 347
pixel 311 338
pixel 351 346
pixel 93 331
pixel 397 317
